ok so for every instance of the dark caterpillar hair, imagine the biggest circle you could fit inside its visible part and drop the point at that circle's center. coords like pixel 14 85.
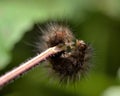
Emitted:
pixel 71 63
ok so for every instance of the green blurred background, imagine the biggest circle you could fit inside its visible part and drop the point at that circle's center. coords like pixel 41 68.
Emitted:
pixel 95 21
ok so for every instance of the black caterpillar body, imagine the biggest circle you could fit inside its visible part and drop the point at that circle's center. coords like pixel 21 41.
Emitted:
pixel 71 63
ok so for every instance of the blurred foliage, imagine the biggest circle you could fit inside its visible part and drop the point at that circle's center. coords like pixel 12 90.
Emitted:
pixel 95 21
pixel 112 91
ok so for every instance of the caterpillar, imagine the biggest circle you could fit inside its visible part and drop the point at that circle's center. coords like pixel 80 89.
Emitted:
pixel 70 64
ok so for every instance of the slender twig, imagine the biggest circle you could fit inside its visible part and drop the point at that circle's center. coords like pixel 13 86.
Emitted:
pixel 11 75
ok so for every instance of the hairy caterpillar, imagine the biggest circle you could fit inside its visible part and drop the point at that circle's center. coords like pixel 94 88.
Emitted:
pixel 71 63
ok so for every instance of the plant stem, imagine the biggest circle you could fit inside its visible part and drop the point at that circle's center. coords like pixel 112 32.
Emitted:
pixel 11 75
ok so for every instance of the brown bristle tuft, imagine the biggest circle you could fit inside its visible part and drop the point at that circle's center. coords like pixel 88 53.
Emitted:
pixel 71 63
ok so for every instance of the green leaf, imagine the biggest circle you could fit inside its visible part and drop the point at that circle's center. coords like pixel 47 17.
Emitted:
pixel 112 91
pixel 17 16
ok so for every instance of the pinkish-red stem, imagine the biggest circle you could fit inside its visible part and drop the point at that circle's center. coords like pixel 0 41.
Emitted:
pixel 28 65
